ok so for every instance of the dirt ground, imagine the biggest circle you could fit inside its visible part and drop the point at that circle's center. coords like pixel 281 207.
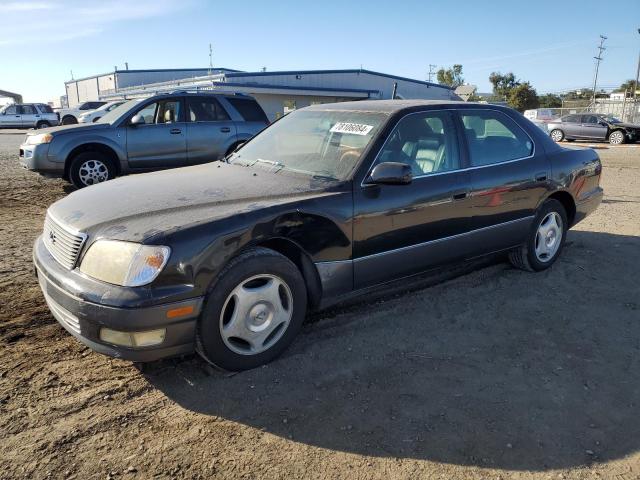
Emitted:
pixel 494 373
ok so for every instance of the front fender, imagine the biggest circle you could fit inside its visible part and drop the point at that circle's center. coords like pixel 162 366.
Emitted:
pixel 62 146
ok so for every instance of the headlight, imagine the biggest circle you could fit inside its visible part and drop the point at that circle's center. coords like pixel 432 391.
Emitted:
pixel 38 139
pixel 124 263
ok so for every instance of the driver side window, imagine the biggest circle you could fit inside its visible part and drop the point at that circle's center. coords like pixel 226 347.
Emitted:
pixel 424 141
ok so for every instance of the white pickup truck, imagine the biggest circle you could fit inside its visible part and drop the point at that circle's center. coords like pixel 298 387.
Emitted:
pixel 69 116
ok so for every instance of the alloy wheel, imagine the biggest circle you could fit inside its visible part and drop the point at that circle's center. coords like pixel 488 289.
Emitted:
pixel 616 138
pixel 92 172
pixel 556 135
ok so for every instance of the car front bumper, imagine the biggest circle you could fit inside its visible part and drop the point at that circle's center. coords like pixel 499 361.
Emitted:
pixel 35 158
pixel 66 293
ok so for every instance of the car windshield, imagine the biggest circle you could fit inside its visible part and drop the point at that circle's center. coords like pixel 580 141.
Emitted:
pixel 612 119
pixel 324 143
pixel 117 112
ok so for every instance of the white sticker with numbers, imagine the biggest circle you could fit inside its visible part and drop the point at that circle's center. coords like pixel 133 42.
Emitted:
pixel 352 128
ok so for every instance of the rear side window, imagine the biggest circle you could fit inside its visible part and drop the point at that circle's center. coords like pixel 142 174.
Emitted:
pixel 28 110
pixel 45 108
pixel 249 109
pixel 206 110
pixel 571 119
pixel 494 138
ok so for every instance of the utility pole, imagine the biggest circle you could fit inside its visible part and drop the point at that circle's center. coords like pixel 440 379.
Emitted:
pixel 635 89
pixel 431 72
pixel 210 59
pixel 598 59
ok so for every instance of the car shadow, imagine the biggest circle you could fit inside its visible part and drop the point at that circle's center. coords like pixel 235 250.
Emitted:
pixel 494 368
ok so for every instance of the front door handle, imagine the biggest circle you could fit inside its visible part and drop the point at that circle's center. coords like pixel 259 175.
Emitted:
pixel 541 177
pixel 460 195
pixel 225 129
pixel 175 131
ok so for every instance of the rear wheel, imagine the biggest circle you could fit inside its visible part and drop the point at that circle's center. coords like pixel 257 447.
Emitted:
pixel 43 124
pixel 557 135
pixel 254 311
pixel 545 240
pixel 616 137
pixel 89 168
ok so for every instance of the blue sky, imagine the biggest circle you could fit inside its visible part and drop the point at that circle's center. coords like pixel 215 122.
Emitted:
pixel 549 43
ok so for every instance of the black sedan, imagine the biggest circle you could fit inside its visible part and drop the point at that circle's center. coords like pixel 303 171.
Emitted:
pixel 226 258
pixel 592 126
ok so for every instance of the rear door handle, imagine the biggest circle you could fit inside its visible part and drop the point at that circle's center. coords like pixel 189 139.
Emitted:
pixel 225 129
pixel 541 177
pixel 175 131
pixel 460 195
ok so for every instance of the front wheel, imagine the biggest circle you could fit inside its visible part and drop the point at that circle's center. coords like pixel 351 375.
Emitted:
pixel 254 311
pixel 545 239
pixel 89 168
pixel 69 120
pixel 616 137
pixel 556 135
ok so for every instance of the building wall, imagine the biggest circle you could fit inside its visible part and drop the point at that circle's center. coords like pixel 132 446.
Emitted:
pixel 350 80
pixel 131 78
pixel 274 105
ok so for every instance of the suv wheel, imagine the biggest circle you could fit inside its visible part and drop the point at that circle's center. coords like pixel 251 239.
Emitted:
pixel 69 120
pixel 556 135
pixel 616 137
pixel 545 240
pixel 43 125
pixel 253 312
pixel 89 168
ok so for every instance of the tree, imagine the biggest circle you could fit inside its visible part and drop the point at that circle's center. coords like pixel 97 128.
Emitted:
pixel 550 100
pixel 628 85
pixel 523 97
pixel 503 84
pixel 451 76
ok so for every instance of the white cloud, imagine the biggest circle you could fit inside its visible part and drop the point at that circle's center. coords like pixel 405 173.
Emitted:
pixel 71 19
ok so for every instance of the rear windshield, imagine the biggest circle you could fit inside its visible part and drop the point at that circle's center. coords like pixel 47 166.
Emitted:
pixel 249 109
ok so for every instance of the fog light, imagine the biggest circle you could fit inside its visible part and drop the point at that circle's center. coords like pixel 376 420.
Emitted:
pixel 133 339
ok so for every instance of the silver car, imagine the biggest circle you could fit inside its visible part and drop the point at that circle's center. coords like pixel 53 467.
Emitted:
pixel 164 131
pixel 27 115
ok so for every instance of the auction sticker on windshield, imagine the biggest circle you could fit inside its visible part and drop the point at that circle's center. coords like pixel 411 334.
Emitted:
pixel 353 128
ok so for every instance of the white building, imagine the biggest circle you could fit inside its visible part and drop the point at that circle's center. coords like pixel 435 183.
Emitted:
pixel 277 92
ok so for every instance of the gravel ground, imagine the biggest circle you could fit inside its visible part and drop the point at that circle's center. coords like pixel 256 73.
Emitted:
pixel 494 373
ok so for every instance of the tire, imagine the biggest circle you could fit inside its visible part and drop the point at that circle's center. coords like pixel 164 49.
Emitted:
pixel 40 125
pixel 556 135
pixel 617 137
pixel 233 341
pixel 527 257
pixel 69 120
pixel 96 119
pixel 89 168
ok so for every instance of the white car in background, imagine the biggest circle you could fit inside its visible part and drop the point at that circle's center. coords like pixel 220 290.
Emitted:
pixel 69 116
pixel 95 115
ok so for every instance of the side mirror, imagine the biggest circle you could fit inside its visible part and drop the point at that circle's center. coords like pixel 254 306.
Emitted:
pixel 137 120
pixel 390 173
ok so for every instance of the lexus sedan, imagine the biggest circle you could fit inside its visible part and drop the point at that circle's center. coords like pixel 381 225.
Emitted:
pixel 592 126
pixel 227 258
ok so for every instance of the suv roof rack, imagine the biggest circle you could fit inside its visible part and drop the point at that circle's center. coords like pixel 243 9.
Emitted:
pixel 198 91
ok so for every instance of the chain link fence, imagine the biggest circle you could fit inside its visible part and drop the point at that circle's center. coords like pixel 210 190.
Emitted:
pixel 624 110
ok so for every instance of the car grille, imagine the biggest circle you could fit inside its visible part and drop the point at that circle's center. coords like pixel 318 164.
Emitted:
pixel 63 244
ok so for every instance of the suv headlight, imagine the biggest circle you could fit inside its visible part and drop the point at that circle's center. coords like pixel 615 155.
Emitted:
pixel 124 263
pixel 38 139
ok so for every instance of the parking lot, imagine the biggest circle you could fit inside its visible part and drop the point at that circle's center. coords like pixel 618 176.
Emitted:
pixel 489 373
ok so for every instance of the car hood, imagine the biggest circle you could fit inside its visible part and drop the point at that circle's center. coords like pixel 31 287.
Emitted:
pixel 140 207
pixel 78 127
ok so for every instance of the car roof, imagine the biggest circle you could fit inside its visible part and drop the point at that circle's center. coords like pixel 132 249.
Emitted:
pixel 393 106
